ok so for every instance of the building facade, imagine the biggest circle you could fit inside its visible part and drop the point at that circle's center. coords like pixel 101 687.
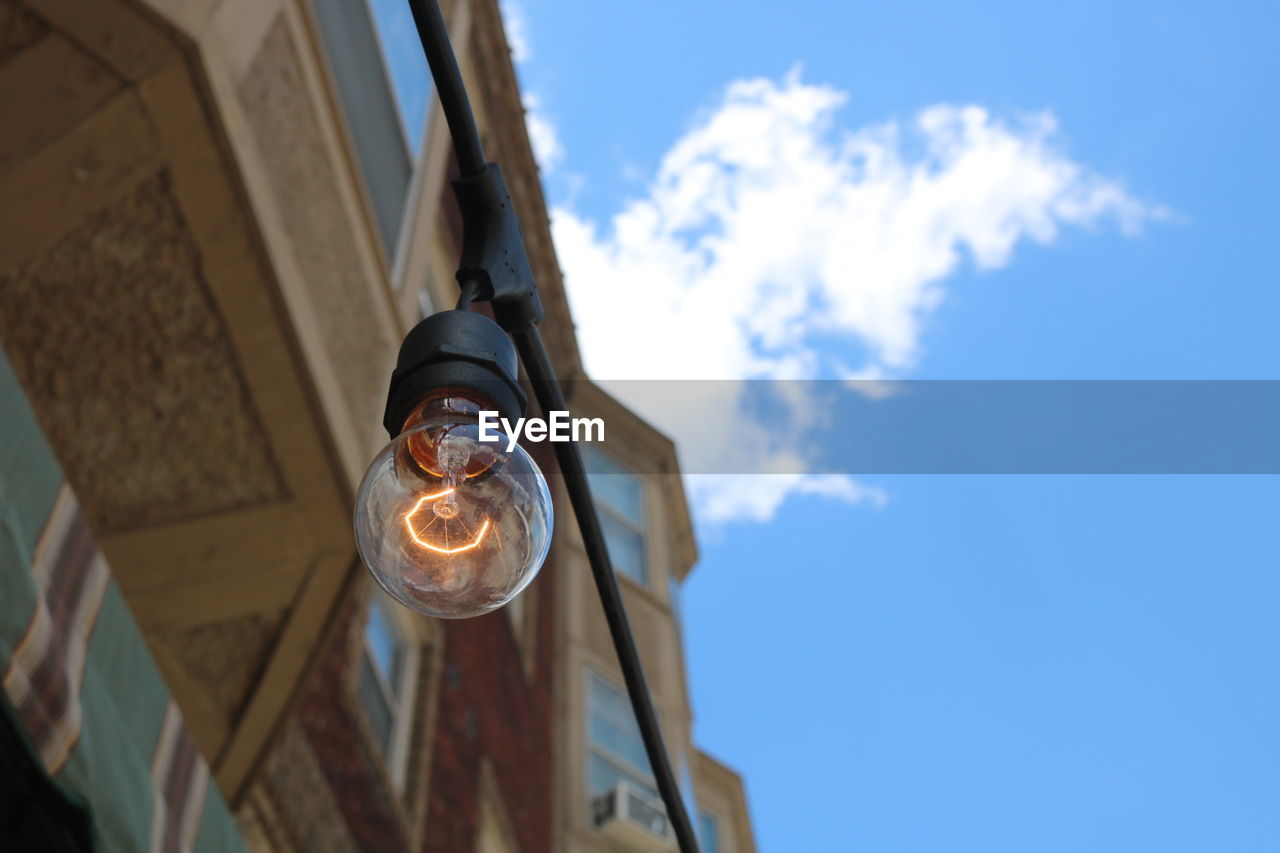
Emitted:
pixel 219 219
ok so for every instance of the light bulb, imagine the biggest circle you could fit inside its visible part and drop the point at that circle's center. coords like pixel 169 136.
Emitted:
pixel 447 524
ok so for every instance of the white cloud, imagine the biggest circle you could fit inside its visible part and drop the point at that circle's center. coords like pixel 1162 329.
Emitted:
pixel 543 135
pixel 768 232
pixel 767 227
pixel 720 498
pixel 547 148
pixel 517 31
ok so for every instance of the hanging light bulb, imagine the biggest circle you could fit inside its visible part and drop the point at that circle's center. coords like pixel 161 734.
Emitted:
pixel 450 525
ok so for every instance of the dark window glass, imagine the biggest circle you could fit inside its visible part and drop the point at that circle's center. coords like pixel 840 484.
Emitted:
pixel 615 749
pixel 616 487
pixel 385 92
pixel 626 548
pixel 708 833
pixel 406 67
pixel 604 774
pixel 619 495
pixel 373 698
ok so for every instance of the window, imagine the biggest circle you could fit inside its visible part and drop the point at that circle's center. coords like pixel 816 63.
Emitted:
pixel 385 89
pixel 619 495
pixel 388 670
pixel 406 66
pixel 708 833
pixel 615 749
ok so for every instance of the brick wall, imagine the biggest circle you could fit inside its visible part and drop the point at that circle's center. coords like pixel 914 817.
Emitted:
pixel 332 723
pixel 490 709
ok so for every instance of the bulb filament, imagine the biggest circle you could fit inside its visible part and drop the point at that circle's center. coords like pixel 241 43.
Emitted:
pixel 445 499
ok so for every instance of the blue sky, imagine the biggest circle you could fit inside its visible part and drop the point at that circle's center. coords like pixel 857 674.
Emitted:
pixel 981 663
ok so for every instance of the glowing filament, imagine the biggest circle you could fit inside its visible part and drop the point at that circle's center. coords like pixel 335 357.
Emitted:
pixel 408 523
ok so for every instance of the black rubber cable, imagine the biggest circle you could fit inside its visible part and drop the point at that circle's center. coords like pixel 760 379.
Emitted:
pixel 546 387
pixel 467 293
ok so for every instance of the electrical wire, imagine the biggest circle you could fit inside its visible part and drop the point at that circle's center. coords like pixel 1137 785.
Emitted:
pixel 546 387
pixel 533 353
pixel 467 294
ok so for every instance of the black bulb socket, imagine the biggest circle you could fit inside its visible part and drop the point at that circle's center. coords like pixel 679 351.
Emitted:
pixel 459 351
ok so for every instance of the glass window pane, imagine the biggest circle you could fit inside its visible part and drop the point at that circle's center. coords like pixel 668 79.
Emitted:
pixel 384 645
pixel 375 703
pixel 603 774
pixel 626 548
pixel 616 487
pixel 613 726
pixel 373 117
pixel 406 66
pixel 708 833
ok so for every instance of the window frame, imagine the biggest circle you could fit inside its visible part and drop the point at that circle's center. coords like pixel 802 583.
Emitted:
pixel 389 77
pixel 614 514
pixel 705 814
pixel 394 242
pixel 400 698
pixel 398 255
pixel 634 774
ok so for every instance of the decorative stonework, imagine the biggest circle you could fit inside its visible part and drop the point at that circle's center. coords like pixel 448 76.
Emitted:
pixel 302 799
pixel 127 361
pixel 19 29
pixel 377 814
pixel 226 657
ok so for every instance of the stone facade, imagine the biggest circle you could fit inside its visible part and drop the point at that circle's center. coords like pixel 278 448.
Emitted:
pixel 196 298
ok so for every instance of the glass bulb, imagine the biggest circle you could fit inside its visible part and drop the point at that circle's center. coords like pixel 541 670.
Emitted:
pixel 447 524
